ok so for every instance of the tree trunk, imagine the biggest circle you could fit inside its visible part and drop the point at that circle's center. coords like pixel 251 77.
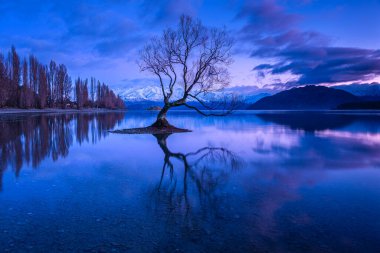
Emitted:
pixel 161 121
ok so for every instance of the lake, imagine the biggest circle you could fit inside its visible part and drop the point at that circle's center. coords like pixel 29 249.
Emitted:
pixel 248 182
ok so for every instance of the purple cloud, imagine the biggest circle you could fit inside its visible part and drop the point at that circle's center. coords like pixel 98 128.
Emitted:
pixel 265 15
pixel 273 33
pixel 164 11
pixel 317 65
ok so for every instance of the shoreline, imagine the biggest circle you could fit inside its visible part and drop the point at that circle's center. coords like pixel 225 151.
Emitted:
pixel 57 110
pixel 104 110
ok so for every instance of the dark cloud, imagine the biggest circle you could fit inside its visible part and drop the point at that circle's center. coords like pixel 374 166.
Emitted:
pixel 265 15
pixel 164 11
pixel 109 28
pixel 273 33
pixel 89 35
pixel 327 64
pixel 92 37
pixel 279 86
pixel 103 29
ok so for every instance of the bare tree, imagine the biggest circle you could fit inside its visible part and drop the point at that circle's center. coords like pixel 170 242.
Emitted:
pixel 191 57
pixel 79 93
pixel 92 92
pixel 15 77
pixel 4 81
pixel 52 83
pixel 26 97
pixel 67 88
pixel 33 76
pixel 85 93
pixel 64 85
pixel 42 86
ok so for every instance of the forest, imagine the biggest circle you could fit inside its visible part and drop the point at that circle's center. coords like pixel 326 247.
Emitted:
pixel 27 83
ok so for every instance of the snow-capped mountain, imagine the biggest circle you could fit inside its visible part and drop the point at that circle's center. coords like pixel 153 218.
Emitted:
pixel 145 96
pixel 247 94
pixel 149 93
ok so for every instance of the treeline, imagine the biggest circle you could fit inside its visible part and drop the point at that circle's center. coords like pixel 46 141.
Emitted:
pixel 100 95
pixel 26 83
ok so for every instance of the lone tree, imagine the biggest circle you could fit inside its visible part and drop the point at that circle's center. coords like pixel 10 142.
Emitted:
pixel 193 58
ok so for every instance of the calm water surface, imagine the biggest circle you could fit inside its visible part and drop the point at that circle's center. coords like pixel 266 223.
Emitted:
pixel 269 182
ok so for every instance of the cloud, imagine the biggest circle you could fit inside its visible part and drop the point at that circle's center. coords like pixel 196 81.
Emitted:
pixel 91 37
pixel 164 11
pixel 104 29
pixel 315 65
pixel 265 15
pixel 308 55
pixel 88 36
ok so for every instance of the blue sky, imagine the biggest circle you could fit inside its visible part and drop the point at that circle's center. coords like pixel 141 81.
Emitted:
pixel 278 43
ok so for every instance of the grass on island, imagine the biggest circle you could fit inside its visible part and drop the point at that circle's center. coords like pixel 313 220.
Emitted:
pixel 151 130
pixel 161 126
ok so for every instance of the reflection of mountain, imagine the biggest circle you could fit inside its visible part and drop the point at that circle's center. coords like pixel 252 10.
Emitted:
pixel 305 98
pixel 308 121
pixel 311 122
pixel 362 105
pixel 34 138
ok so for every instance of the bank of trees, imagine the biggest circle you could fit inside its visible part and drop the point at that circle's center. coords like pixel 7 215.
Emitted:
pixel 99 95
pixel 27 83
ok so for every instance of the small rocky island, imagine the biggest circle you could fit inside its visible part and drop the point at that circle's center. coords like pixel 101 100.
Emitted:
pixel 154 108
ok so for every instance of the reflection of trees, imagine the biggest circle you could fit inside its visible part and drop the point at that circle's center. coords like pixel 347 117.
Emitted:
pixel 196 188
pixel 31 139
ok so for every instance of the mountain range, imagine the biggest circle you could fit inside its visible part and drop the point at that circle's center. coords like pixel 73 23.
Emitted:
pixel 253 97
pixel 306 98
pixel 361 89
pixel 141 97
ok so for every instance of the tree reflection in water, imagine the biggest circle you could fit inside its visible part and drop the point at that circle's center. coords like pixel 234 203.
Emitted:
pixel 31 139
pixel 191 185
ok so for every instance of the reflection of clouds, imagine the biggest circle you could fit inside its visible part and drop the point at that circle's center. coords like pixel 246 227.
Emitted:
pixel 268 179
pixel 270 145
pixel 281 174
pixel 328 149
pixel 365 138
pixel 262 139
pixel 287 181
pixel 276 187
pixel 283 162
pixel 272 137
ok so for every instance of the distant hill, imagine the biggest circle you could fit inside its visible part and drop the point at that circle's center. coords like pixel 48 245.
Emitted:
pixel 361 89
pixel 309 121
pixel 362 105
pixel 306 98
